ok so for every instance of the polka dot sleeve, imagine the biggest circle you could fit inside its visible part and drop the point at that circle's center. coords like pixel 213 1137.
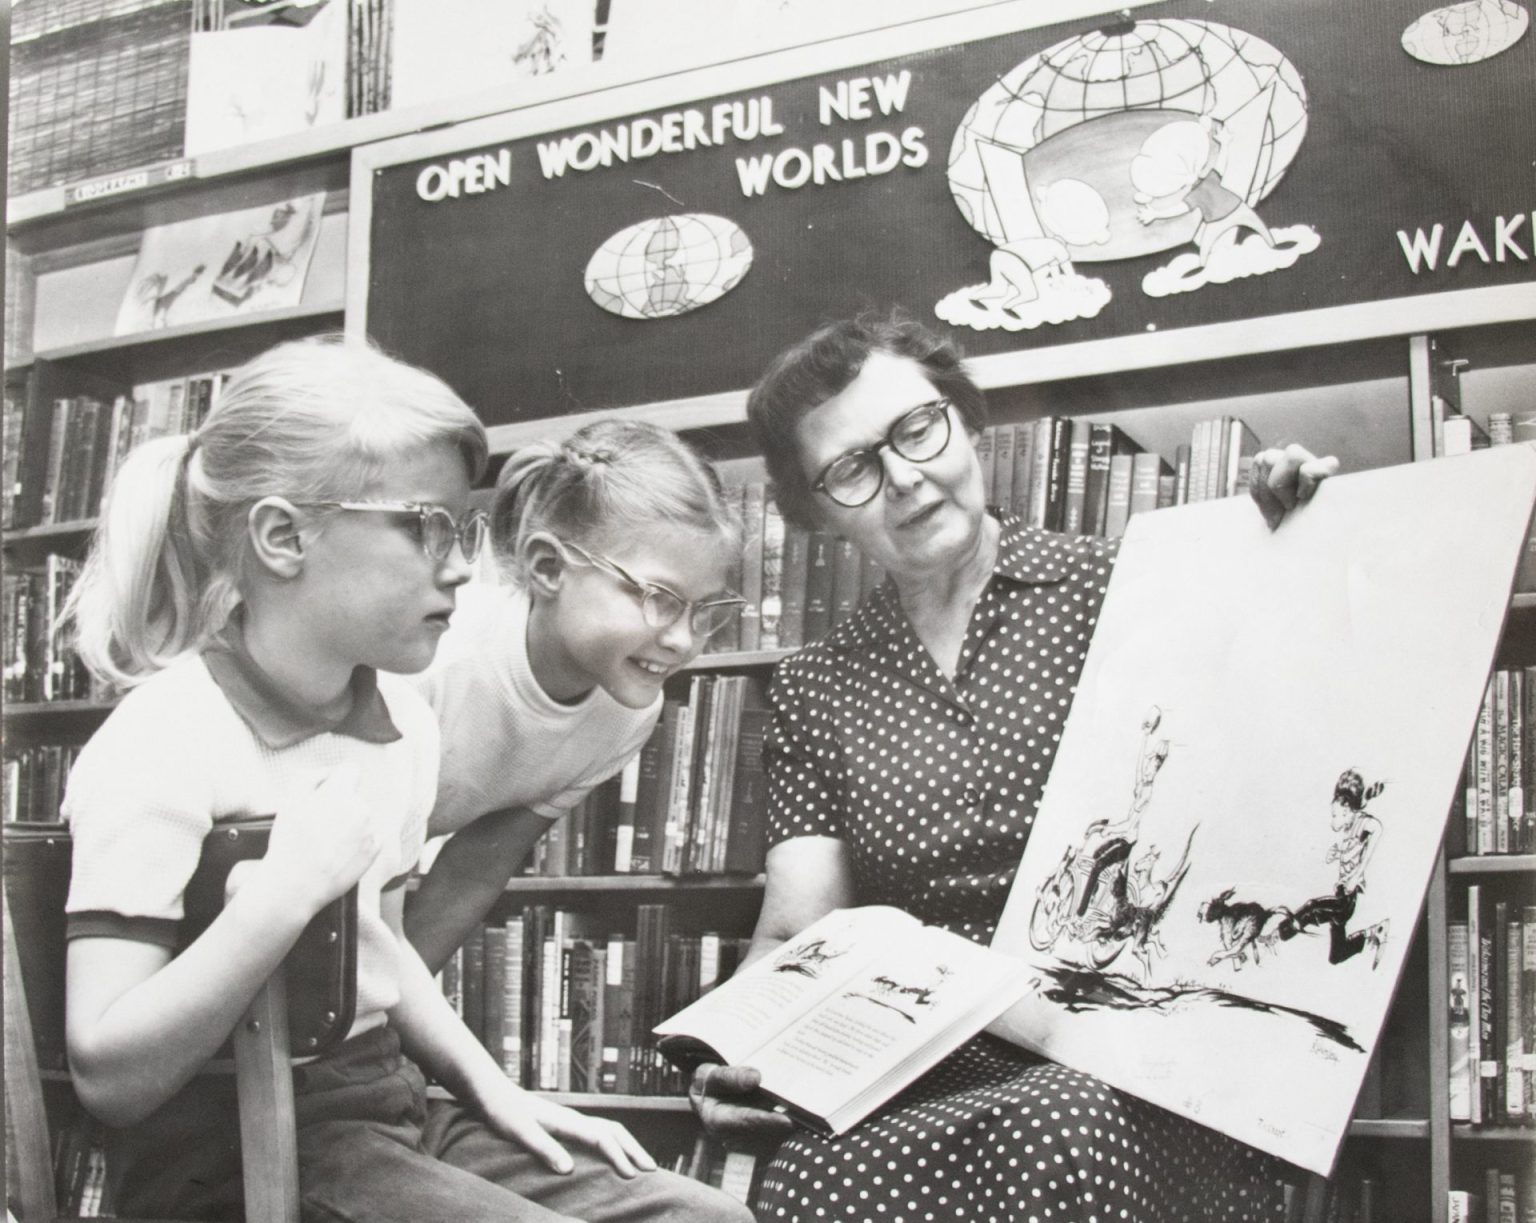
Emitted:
pixel 802 755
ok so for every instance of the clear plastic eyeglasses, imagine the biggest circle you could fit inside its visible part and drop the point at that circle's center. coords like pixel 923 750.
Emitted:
pixel 662 607
pixel 854 478
pixel 438 529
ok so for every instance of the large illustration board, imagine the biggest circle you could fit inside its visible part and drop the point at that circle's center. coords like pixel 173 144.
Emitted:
pixel 1163 168
pixel 1232 849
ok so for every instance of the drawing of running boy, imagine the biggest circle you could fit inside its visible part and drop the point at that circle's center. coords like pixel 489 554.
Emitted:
pixel 1358 832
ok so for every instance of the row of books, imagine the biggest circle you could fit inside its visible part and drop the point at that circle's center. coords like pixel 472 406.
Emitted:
pixel 39 662
pixel 1087 477
pixel 1497 805
pixel 1347 1199
pixel 700 790
pixel 60 462
pixel 566 1006
pixel 1491 958
pixel 736 1173
pixel 33 781
pixel 1453 433
pixel 1069 474
pixel 1506 1196
pixel 80 1169
pixel 798 584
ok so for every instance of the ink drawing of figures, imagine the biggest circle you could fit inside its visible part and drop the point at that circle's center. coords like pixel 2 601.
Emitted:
pixel 1251 789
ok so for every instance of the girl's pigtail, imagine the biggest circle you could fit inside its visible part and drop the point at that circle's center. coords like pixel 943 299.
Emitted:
pixel 133 608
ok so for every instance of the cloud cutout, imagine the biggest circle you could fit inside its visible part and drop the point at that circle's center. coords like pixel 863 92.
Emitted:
pixel 1251 256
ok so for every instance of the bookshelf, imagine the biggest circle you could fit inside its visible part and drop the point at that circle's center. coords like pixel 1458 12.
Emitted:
pixel 1355 380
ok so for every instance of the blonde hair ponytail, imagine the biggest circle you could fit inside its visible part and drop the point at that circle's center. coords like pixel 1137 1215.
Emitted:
pixel 310 420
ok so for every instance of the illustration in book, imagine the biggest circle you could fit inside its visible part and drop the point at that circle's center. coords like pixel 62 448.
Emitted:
pixel 222 265
pixel 1247 801
pixel 847 1013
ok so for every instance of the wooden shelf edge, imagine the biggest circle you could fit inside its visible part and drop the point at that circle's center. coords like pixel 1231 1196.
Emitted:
pixel 1389 1127
pixel 635 883
pixel 49 530
pixel 57 709
pixel 1493 864
pixel 591 1099
pixel 738 658
pixel 141 339
pixel 1492 1133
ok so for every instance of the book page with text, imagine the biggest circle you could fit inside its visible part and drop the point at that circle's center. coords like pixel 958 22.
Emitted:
pixel 908 1006
pixel 753 1006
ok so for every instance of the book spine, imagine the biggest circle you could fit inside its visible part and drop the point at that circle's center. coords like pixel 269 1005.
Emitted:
pixel 1480 1001
pixel 795 587
pixel 493 995
pixel 845 580
pixel 512 1017
pixel 986 459
pixel 1461 1000
pixel 1040 473
pixel 818 585
pixel 1514 746
pixel 1512 1069
pixel 1024 436
pixel 1528 1003
pixel 1061 442
pixel 1002 479
pixel 1074 498
pixel 752 509
pixel 1527 837
pixel 1117 503
pixel 624 825
pixel 1500 749
pixel 1484 745
pixel 749 792
pixel 1145 468
pixel 1101 448
pixel 773 574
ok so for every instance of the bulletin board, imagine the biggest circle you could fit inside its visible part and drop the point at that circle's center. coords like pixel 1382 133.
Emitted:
pixel 1071 197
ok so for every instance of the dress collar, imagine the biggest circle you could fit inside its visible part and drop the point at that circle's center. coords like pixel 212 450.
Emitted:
pixel 1025 555
pixel 278 720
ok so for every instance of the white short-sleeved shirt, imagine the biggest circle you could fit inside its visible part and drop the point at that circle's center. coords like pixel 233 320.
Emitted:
pixel 506 742
pixel 202 742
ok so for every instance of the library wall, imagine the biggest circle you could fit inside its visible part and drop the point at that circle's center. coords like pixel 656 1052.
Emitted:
pixel 1396 189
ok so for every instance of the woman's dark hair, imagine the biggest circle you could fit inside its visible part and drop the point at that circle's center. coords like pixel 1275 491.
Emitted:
pixel 821 366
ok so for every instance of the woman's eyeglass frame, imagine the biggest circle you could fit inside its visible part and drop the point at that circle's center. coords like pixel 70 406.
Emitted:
pixel 470 534
pixel 867 458
pixel 654 597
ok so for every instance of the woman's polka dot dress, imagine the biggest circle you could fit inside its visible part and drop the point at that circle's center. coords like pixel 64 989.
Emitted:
pixel 933 784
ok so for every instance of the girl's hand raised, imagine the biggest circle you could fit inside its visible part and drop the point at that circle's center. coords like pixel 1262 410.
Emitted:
pixel 322 844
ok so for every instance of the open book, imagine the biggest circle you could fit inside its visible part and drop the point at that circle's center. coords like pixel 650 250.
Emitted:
pixel 847 1013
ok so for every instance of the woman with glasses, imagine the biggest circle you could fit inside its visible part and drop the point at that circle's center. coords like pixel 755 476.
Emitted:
pixel 615 546
pixel 907 758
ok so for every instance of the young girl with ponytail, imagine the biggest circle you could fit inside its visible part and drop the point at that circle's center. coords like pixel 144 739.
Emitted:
pixel 252 586
pixel 615 546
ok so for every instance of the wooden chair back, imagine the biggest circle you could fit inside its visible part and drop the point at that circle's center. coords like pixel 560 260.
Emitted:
pixel 306 1007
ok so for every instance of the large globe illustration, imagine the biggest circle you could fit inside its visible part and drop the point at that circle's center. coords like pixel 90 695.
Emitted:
pixel 1080 112
pixel 668 265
